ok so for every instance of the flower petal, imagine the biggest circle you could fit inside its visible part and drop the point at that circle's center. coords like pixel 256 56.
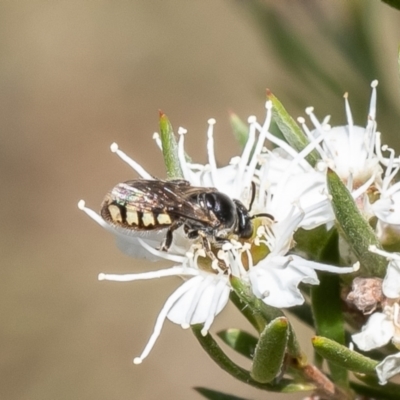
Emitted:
pixel 205 296
pixel 275 280
pixel 389 367
pixel 375 333
pixel 391 283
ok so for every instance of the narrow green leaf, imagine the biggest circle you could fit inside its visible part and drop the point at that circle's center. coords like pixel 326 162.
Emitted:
pixel 219 357
pixel 393 3
pixel 256 320
pixel 326 304
pixel 260 314
pixel 289 128
pixel 240 341
pixel 328 317
pixel 343 356
pixel 169 148
pixel 240 129
pixel 390 391
pixel 270 351
pixel 255 305
pixel 358 233
pixel 214 395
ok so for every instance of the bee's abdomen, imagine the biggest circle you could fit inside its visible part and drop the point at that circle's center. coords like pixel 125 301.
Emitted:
pixel 132 218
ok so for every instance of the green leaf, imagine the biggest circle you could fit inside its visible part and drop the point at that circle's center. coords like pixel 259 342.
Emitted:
pixel 270 351
pixel 214 395
pixel 219 357
pixel 327 306
pixel 356 230
pixel 329 319
pixel 169 148
pixel 343 356
pixel 240 341
pixel 390 391
pixel 260 314
pixel 393 3
pixel 289 128
pixel 240 129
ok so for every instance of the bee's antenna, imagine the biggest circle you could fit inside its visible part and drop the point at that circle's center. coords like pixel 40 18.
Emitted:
pixel 253 194
pixel 263 215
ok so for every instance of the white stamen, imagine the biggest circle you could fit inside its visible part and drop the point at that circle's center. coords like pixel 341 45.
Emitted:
pixel 161 318
pixel 162 254
pixel 173 271
pixel 210 150
pixel 388 256
pixel 350 121
pixel 181 153
pixel 259 145
pixel 372 104
pixel 133 164
pixel 157 139
pixel 246 151
pixel 96 217
pixel 363 188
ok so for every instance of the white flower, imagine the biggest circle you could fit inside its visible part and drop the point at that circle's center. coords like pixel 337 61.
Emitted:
pixel 305 189
pixel 299 195
pixel 198 300
pixel 383 327
pixel 389 367
pixel 275 278
pixel 349 150
pixel 206 290
pixel 387 207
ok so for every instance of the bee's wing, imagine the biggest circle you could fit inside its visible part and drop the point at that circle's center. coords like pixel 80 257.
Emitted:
pixel 155 196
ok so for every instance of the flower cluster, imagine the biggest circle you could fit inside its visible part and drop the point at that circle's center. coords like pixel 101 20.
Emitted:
pixel 285 192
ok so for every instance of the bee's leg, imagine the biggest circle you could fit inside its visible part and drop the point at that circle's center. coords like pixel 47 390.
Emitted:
pixel 207 245
pixel 166 244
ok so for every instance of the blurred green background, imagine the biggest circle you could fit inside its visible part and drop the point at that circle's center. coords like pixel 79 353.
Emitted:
pixel 76 76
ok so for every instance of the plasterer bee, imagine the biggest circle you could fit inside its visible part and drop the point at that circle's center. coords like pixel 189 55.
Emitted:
pixel 145 205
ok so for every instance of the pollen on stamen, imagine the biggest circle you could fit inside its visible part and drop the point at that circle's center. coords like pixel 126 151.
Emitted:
pixel 374 83
pixel 137 360
pixel 301 120
pixel 212 121
pixel 101 276
pixel 81 204
pixel 182 131
pixel 268 104
pixel 234 160
pixel 252 119
pixel 309 110
pixel 204 332
pixel 346 95
pixel 114 147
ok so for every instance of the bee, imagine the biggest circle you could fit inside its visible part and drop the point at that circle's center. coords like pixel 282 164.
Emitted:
pixel 151 205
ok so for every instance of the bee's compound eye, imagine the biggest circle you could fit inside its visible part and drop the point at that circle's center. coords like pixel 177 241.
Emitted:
pixel 223 208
